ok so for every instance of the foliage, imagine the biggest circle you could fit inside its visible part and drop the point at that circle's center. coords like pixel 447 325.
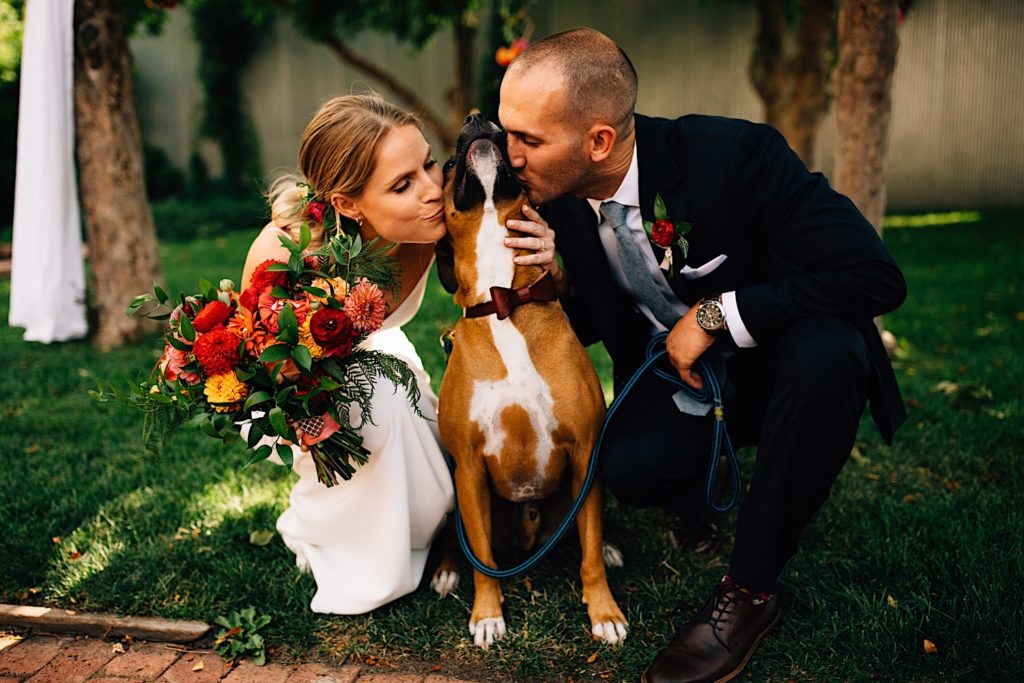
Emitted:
pixel 228 39
pixel 179 219
pixel 934 522
pixel 11 29
pixel 239 636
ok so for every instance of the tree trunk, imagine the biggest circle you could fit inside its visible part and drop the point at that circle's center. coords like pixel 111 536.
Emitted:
pixel 460 95
pixel 810 71
pixel 868 43
pixel 794 88
pixel 123 259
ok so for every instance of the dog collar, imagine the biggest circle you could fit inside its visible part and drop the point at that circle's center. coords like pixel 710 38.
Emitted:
pixel 504 300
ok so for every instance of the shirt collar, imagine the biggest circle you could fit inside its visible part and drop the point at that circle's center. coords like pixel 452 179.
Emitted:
pixel 628 193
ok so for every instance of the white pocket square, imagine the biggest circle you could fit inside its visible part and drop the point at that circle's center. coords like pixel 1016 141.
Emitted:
pixel 702 270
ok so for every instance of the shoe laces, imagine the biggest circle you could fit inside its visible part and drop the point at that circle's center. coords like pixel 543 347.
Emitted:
pixel 720 606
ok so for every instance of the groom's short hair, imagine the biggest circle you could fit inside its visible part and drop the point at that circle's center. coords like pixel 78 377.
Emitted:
pixel 599 79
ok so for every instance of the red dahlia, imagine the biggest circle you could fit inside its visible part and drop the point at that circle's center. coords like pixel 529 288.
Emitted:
pixel 262 278
pixel 217 351
pixel 315 210
pixel 332 330
pixel 249 299
pixel 663 233
pixel 213 314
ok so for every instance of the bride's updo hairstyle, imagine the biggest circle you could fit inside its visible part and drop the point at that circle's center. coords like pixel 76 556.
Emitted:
pixel 338 154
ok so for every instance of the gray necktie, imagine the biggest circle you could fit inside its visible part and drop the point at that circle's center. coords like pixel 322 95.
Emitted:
pixel 634 268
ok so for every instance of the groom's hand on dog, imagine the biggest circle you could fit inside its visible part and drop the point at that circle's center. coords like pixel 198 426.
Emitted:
pixel 685 343
pixel 540 239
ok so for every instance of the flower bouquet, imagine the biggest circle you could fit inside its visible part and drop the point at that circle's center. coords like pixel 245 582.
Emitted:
pixel 281 358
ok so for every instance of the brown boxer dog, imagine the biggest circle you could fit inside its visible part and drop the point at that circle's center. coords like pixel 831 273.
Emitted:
pixel 520 404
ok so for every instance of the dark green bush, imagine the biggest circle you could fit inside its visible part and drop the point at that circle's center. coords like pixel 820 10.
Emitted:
pixel 179 219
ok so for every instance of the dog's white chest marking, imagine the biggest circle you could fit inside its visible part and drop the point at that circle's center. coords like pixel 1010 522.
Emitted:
pixel 523 386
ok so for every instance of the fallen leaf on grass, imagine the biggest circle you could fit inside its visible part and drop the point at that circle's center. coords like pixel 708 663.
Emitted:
pixel 33 448
pixel 74 555
pixel 261 537
pixel 914 403
pixel 952 486
pixel 592 658
pixel 891 601
pixel 436 668
pixel 909 498
pixel 57 539
pixel 873 476
pixel 929 647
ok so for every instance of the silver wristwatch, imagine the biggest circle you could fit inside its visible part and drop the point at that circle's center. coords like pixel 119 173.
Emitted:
pixel 711 315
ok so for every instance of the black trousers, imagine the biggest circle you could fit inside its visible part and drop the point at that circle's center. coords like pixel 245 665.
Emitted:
pixel 799 399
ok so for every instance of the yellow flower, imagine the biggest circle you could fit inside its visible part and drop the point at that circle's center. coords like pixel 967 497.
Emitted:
pixel 225 392
pixel 306 339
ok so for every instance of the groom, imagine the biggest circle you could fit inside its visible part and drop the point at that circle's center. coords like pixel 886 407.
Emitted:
pixel 779 275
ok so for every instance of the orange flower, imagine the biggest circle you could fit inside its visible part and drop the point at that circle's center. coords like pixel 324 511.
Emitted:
pixel 365 306
pixel 245 326
pixel 336 285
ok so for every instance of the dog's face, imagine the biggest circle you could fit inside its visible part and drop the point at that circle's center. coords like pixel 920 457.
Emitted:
pixel 479 170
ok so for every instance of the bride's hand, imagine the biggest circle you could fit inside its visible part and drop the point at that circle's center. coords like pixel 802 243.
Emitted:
pixel 540 240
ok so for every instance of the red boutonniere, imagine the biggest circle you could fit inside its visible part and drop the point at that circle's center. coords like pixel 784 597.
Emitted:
pixel 664 232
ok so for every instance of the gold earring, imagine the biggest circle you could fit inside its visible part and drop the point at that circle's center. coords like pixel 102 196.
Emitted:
pixel 359 220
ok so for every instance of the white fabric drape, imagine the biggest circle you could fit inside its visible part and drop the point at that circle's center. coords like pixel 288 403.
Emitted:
pixel 47 274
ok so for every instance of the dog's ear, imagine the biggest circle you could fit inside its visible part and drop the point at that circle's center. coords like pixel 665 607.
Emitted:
pixel 445 257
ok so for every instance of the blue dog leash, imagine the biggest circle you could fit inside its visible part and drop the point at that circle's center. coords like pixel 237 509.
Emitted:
pixel 711 393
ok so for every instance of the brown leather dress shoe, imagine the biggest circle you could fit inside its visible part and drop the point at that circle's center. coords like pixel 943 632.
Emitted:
pixel 716 646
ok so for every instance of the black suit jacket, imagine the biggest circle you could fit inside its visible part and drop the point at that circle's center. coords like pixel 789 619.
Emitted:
pixel 794 247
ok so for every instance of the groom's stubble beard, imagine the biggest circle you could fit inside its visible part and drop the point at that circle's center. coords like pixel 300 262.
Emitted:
pixel 571 175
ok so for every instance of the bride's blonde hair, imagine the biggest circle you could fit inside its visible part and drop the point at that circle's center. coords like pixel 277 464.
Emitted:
pixel 338 153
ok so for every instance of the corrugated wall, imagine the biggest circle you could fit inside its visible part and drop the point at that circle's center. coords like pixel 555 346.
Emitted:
pixel 958 101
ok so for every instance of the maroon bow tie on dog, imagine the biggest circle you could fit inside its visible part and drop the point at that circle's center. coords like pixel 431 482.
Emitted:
pixel 504 300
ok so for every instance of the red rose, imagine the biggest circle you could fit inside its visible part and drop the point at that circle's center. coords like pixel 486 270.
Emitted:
pixel 262 278
pixel 249 299
pixel 315 210
pixel 332 330
pixel 212 315
pixel 217 351
pixel 663 233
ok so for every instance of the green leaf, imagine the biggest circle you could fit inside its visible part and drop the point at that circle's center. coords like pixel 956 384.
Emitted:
pixel 288 325
pixel 207 288
pixel 275 353
pixel 295 262
pixel 185 325
pixel 261 537
pixel 303 358
pixel 288 244
pixel 161 295
pixel 261 453
pixel 316 291
pixel 278 267
pixel 279 422
pixel 305 237
pixel 177 343
pixel 137 303
pixel 279 292
pixel 254 435
pixel 285 453
pixel 284 394
pixel 660 211
pixel 255 399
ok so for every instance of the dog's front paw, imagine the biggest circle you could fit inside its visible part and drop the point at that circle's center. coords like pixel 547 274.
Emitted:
pixel 444 581
pixel 486 631
pixel 612 632
pixel 612 555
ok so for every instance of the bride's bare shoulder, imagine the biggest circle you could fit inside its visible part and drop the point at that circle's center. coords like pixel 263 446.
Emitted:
pixel 265 246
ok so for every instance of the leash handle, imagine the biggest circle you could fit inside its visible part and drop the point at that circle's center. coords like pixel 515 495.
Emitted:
pixel 710 393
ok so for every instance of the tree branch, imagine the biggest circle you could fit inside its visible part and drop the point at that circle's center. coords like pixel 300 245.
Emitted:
pixel 404 93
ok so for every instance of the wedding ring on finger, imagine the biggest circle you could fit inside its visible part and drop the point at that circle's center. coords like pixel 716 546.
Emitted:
pixel 543 245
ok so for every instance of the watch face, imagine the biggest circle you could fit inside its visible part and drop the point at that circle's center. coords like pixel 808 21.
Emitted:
pixel 710 316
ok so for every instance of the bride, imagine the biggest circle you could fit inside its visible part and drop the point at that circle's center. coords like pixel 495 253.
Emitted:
pixel 366 540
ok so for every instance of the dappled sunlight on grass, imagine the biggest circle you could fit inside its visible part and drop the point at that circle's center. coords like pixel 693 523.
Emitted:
pixel 232 498
pixel 931 220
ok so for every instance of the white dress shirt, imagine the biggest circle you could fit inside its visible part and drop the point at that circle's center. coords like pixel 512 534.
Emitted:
pixel 628 195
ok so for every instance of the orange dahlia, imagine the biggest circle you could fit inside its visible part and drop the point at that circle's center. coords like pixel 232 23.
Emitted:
pixel 365 306
pixel 245 326
pixel 217 351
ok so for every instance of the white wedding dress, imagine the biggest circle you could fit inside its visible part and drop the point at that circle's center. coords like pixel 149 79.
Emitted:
pixel 366 540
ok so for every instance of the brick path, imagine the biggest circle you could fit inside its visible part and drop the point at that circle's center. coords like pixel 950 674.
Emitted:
pixel 51 659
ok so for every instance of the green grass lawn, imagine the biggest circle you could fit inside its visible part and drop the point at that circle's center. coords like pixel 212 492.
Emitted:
pixel 920 541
